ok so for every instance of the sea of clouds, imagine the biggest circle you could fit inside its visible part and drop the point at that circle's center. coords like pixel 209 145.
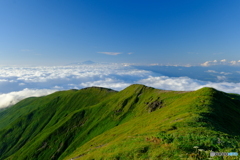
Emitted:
pixel 17 83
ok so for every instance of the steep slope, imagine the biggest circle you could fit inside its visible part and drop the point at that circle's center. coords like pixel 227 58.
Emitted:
pixel 138 122
pixel 30 125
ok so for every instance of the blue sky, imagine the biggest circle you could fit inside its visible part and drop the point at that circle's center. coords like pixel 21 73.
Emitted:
pixel 173 45
pixel 57 32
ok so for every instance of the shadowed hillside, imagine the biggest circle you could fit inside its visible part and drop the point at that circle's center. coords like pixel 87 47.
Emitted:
pixel 138 122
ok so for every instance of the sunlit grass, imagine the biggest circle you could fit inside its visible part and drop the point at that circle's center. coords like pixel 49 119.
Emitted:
pixel 137 123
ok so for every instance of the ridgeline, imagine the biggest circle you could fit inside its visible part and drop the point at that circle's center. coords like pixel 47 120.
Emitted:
pixel 138 122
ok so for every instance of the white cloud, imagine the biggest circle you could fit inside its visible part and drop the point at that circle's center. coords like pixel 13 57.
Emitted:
pixel 225 73
pixel 187 65
pixel 58 87
pixel 233 62
pixel 111 53
pixel 188 84
pixel 223 60
pixel 115 76
pixel 107 83
pixel 17 83
pixel 207 63
pixel 211 71
pixel 221 78
pixel 172 83
pixel 14 97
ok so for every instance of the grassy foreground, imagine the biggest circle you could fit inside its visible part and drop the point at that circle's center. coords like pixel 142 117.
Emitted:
pixel 138 122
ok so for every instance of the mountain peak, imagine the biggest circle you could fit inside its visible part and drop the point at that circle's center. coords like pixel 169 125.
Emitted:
pixel 98 88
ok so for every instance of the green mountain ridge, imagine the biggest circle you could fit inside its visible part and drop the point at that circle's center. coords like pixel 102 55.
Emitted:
pixel 138 122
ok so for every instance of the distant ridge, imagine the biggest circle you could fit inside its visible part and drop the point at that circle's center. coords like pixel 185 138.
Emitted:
pixel 82 63
pixel 138 122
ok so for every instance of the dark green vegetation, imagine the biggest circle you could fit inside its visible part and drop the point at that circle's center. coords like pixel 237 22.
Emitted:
pixel 138 122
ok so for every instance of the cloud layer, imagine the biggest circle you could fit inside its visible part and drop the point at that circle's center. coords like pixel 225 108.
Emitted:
pixel 17 83
pixel 12 98
pixel 188 84
pixel 221 62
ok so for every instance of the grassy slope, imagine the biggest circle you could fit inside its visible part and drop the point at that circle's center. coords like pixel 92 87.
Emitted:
pixel 206 118
pixel 47 117
pixel 137 122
